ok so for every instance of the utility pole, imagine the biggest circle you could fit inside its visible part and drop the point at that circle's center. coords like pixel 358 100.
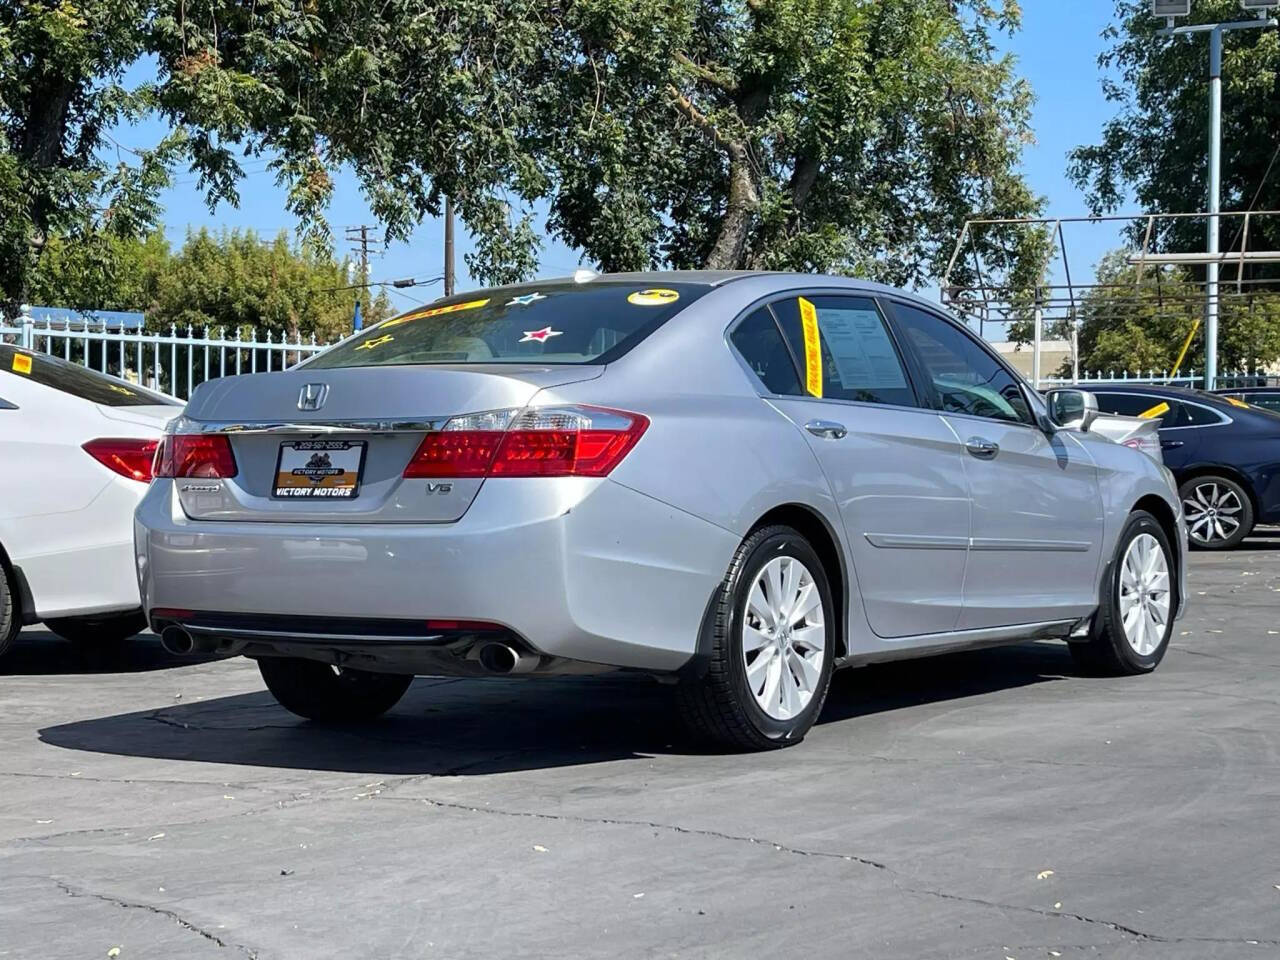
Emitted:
pixel 360 239
pixel 448 247
pixel 1215 31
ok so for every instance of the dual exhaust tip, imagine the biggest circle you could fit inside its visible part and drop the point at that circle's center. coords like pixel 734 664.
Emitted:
pixel 494 657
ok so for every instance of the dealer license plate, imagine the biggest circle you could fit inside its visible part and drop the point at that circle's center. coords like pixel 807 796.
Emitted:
pixel 319 470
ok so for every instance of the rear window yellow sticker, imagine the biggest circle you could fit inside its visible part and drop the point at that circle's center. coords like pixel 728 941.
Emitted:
pixel 655 297
pixel 435 312
pixel 1159 410
pixel 1236 403
pixel 812 348
pixel 21 363
pixel 370 344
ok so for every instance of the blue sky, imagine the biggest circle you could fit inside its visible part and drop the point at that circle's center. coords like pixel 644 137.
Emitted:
pixel 1057 51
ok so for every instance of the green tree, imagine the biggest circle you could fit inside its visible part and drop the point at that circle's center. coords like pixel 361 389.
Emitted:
pixel 1155 145
pixel 847 135
pixel 235 281
pixel 99 273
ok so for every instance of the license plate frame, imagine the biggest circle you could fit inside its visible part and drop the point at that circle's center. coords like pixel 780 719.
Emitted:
pixel 319 477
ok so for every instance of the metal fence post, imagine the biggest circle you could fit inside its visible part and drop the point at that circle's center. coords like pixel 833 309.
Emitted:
pixel 28 325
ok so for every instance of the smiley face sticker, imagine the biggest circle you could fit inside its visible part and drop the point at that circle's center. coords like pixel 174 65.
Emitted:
pixel 653 297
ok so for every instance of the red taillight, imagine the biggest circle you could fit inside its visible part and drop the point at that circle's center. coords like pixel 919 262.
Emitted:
pixel 535 442
pixel 195 455
pixel 128 457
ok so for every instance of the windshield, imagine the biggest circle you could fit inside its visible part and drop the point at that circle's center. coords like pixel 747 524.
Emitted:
pixel 76 380
pixel 560 322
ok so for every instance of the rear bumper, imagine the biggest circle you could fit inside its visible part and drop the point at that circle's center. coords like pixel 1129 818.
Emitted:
pixel 579 569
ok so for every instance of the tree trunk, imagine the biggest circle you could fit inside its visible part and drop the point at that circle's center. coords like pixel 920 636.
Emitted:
pixel 729 252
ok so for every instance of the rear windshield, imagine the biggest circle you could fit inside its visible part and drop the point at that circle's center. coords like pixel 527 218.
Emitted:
pixel 593 322
pixel 76 380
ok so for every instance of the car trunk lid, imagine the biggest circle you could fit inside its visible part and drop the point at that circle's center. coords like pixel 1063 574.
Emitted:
pixel 299 436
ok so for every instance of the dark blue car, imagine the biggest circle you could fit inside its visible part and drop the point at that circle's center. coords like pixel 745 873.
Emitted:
pixel 1224 453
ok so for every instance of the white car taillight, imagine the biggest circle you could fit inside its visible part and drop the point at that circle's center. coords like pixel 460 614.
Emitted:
pixel 1148 445
pixel 567 441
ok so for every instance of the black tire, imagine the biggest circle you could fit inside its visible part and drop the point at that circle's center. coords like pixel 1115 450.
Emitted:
pixel 1107 650
pixel 718 705
pixel 101 631
pixel 10 616
pixel 1194 494
pixel 318 691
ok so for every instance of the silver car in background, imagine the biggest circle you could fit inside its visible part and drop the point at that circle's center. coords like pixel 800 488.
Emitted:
pixel 735 482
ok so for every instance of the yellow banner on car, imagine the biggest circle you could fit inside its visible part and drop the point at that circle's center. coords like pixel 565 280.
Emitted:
pixel 21 363
pixel 1159 410
pixel 435 312
pixel 1236 403
pixel 812 348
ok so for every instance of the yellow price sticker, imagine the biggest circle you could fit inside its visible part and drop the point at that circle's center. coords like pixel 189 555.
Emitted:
pixel 1159 410
pixel 435 312
pixel 812 348
pixel 21 363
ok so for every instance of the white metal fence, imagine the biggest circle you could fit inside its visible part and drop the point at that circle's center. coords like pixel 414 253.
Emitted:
pixel 1191 378
pixel 174 363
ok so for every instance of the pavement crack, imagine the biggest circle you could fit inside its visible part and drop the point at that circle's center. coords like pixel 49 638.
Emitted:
pixel 78 892
pixel 896 878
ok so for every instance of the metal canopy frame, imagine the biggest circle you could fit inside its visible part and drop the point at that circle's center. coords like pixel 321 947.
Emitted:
pixel 992 296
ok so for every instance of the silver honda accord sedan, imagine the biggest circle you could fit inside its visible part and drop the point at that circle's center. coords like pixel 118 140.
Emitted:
pixel 733 482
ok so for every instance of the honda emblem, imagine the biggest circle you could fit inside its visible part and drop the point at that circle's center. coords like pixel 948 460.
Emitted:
pixel 313 396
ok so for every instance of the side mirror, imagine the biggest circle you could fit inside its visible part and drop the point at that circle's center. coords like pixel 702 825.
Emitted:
pixel 1072 409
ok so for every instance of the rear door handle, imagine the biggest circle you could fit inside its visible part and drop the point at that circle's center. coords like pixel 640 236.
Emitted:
pixel 982 448
pixel 827 429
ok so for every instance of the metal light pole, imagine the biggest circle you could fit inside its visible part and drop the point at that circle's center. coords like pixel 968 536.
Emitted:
pixel 1215 31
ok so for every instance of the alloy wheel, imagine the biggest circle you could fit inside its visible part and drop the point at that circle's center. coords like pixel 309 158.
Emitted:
pixel 783 638
pixel 1212 512
pixel 1144 594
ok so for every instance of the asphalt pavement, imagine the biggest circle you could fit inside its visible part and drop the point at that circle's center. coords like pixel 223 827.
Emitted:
pixel 990 804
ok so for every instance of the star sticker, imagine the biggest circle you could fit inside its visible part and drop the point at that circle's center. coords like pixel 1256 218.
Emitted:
pixel 370 344
pixel 540 336
pixel 527 299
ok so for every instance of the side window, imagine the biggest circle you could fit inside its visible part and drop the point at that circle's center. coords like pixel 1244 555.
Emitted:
pixel 850 354
pixel 760 343
pixel 965 377
pixel 1196 416
pixel 1168 412
pixel 6 405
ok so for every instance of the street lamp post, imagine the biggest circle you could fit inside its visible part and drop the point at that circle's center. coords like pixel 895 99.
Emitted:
pixel 1215 31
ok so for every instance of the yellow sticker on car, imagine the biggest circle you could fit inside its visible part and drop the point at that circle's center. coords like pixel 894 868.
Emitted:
pixel 1159 410
pixel 436 311
pixel 370 344
pixel 1236 403
pixel 655 297
pixel 21 363
pixel 812 348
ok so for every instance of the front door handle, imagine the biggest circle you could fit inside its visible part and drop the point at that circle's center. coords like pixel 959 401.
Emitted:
pixel 827 429
pixel 1171 444
pixel 982 448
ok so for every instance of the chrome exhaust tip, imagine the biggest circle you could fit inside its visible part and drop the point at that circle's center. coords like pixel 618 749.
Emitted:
pixel 176 640
pixel 503 659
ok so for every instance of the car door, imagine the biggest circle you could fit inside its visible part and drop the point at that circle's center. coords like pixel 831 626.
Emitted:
pixel 1037 518
pixel 1178 443
pixel 894 467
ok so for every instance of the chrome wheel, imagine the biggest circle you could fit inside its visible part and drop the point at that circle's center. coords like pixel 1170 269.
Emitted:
pixel 1213 512
pixel 783 638
pixel 1144 594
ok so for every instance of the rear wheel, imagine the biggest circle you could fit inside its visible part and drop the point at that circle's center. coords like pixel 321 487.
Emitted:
pixel 320 691
pixel 102 631
pixel 9 620
pixel 772 646
pixel 1218 511
pixel 1131 631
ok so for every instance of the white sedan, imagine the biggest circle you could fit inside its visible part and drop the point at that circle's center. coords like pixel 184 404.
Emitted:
pixel 76 448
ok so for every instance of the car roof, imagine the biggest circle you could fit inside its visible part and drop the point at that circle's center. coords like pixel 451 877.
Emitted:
pixel 1159 390
pixel 1234 390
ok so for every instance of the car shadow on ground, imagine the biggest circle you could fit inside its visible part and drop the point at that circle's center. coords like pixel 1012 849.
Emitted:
pixel 36 652
pixel 454 727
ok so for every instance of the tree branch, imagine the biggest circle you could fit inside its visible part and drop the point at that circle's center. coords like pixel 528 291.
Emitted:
pixel 700 119
pixel 716 78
